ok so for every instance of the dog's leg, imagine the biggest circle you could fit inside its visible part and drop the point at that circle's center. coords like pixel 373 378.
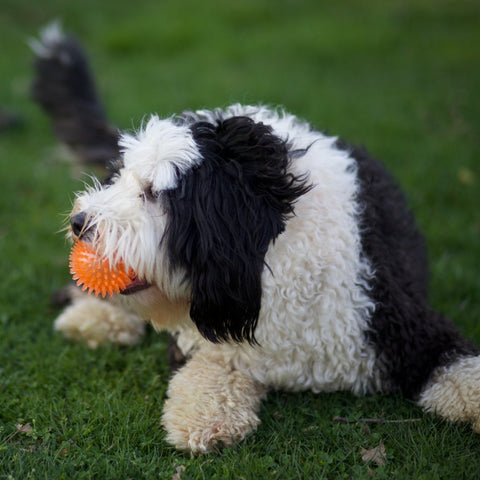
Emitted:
pixel 454 392
pixel 210 405
pixel 94 321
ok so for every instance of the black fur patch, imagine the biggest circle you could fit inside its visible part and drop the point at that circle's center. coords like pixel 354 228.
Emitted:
pixel 223 216
pixel 65 88
pixel 410 338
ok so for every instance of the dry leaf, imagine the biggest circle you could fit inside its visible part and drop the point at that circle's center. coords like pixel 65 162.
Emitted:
pixel 63 452
pixel 178 472
pixel 27 428
pixel 376 455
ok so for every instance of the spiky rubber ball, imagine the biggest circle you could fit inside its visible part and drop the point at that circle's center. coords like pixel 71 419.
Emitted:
pixel 95 274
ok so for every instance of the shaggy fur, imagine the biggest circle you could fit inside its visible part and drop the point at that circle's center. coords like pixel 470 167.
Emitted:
pixel 245 163
pixel 279 258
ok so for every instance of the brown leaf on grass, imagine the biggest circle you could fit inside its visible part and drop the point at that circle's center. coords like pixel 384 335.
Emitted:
pixel 376 455
pixel 178 472
pixel 62 452
pixel 27 428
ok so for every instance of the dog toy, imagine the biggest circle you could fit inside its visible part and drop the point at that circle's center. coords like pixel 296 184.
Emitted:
pixel 95 274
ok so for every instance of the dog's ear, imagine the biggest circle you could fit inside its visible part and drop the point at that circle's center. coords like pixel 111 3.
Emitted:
pixel 222 217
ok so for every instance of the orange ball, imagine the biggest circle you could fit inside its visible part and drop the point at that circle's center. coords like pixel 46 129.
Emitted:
pixel 95 274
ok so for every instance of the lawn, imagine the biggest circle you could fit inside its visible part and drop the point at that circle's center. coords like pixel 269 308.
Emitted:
pixel 399 77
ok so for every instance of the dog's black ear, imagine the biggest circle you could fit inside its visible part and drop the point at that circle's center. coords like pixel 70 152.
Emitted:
pixel 222 217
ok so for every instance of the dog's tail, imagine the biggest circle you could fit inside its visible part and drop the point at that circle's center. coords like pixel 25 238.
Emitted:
pixel 453 392
pixel 63 85
pixel 453 389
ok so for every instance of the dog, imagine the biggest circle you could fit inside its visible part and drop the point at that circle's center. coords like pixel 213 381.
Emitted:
pixel 278 257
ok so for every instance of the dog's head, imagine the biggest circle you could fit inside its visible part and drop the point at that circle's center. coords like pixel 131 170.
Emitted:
pixel 192 208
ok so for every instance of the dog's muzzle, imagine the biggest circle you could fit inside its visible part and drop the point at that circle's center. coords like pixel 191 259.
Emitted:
pixel 83 230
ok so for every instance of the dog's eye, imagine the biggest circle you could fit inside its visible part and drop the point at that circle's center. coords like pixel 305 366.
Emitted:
pixel 149 194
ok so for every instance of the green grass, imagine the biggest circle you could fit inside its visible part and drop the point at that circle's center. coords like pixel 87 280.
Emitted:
pixel 400 77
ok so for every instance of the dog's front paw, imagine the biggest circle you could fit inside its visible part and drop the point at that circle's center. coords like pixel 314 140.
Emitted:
pixel 210 405
pixel 96 321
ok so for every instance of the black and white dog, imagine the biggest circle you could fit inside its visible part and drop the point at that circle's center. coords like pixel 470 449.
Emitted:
pixel 278 257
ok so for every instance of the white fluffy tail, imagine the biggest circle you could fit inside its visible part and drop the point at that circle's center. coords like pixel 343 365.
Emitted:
pixel 454 392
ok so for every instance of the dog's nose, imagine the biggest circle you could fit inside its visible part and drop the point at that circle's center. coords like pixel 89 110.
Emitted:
pixel 78 223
